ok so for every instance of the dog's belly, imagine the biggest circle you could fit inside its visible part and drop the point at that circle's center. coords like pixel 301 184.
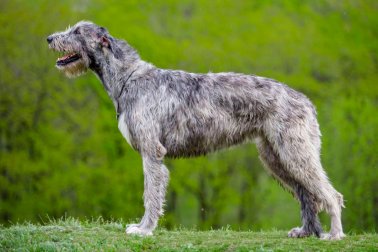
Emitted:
pixel 196 143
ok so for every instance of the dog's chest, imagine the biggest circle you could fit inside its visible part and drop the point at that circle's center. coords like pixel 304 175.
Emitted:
pixel 122 126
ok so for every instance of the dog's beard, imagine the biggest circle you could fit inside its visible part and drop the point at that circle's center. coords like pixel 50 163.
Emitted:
pixel 74 69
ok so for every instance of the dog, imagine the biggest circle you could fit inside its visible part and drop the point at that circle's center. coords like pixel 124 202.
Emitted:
pixel 171 113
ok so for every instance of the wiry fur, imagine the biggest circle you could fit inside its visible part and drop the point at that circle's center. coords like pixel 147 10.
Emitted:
pixel 168 113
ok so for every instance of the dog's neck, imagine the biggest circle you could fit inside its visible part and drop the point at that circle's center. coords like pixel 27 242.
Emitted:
pixel 118 57
pixel 120 61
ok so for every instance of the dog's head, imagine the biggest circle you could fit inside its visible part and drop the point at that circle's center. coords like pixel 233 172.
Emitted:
pixel 80 46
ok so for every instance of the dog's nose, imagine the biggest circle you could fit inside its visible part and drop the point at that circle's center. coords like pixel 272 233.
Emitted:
pixel 49 39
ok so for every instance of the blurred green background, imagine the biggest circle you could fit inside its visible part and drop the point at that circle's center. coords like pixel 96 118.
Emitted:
pixel 61 153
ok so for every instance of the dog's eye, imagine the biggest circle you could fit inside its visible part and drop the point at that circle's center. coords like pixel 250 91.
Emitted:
pixel 77 31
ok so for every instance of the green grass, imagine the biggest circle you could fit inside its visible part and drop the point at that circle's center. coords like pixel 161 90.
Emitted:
pixel 74 235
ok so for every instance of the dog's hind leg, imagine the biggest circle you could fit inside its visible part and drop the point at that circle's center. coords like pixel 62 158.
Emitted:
pixel 309 211
pixel 298 150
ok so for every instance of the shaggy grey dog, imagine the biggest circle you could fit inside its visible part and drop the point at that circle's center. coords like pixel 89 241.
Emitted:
pixel 168 113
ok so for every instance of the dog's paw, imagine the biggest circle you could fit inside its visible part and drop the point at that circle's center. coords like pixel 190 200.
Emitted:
pixel 135 229
pixel 334 237
pixel 298 233
pixel 133 225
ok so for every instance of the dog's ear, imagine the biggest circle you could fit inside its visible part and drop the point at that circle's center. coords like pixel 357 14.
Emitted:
pixel 102 34
pixel 105 41
pixel 103 30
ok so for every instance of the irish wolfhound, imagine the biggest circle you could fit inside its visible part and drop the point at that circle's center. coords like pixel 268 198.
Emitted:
pixel 168 113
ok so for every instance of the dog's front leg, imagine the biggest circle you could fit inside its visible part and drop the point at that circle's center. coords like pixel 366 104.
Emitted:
pixel 155 183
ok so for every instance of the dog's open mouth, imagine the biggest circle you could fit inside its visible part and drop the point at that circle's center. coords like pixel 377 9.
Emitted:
pixel 67 59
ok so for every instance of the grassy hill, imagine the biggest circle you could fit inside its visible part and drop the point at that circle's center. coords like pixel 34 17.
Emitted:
pixel 73 235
